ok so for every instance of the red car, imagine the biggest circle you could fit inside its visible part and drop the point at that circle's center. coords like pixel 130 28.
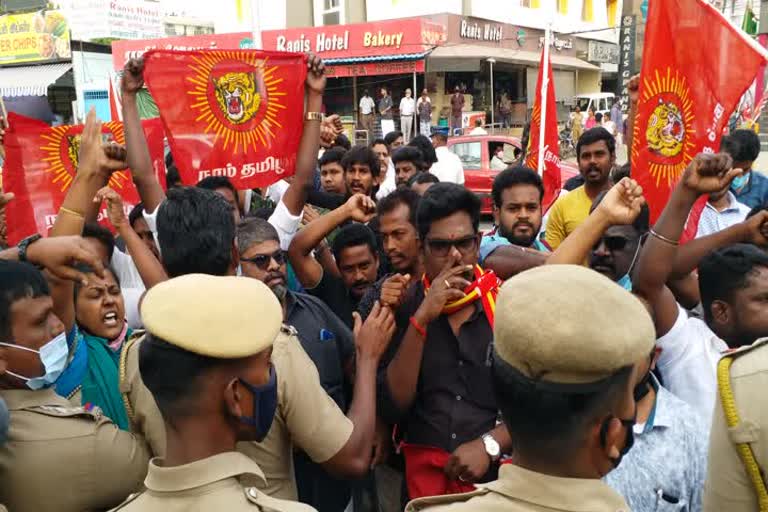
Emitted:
pixel 476 151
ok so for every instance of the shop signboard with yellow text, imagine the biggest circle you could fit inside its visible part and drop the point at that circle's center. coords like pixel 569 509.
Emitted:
pixel 34 37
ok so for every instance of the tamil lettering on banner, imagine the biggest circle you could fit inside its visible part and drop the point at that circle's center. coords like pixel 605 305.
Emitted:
pixel 34 37
pixel 41 163
pixel 626 59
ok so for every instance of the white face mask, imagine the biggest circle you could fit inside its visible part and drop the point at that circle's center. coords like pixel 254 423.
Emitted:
pixel 53 355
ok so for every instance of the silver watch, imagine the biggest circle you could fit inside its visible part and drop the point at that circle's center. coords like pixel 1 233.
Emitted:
pixel 492 447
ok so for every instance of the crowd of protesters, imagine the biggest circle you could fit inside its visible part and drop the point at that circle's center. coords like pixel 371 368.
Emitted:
pixel 359 343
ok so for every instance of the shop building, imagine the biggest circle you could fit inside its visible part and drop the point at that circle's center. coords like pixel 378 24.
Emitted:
pixel 36 77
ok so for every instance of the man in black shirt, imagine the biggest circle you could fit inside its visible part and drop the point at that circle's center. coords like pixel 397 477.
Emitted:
pixel 361 175
pixel 354 248
pixel 399 245
pixel 437 385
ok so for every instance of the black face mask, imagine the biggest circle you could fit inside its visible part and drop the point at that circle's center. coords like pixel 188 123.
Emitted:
pixel 629 439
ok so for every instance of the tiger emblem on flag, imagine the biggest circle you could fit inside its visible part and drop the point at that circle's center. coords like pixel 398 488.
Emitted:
pixel 666 130
pixel 73 148
pixel 237 96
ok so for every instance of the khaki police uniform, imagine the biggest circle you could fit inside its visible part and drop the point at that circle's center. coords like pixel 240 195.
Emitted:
pixel 729 487
pixel 601 328
pixel 218 483
pixel 306 416
pixel 191 312
pixel 520 490
pixel 64 458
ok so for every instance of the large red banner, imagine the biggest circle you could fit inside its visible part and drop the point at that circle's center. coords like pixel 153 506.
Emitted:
pixel 696 66
pixel 236 113
pixel 551 174
pixel 41 163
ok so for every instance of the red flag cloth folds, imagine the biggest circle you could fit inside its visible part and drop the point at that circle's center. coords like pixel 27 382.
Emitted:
pixel 41 162
pixel 233 113
pixel 696 66
pixel 551 175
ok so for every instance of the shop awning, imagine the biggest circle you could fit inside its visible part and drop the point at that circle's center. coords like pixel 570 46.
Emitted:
pixel 377 58
pixel 468 51
pixel 30 80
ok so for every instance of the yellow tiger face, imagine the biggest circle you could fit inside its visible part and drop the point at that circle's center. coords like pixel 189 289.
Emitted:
pixel 666 130
pixel 73 148
pixel 237 96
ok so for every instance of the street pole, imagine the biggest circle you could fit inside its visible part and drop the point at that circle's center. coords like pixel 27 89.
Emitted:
pixel 492 61
pixel 415 126
pixel 544 88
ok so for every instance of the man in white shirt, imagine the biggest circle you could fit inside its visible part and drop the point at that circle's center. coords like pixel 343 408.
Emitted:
pixel 407 110
pixel 478 129
pixel 497 162
pixel 722 211
pixel 731 281
pixel 367 113
pixel 448 168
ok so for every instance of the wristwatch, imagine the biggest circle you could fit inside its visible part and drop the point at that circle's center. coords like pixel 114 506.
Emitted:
pixel 492 447
pixel 24 245
pixel 314 116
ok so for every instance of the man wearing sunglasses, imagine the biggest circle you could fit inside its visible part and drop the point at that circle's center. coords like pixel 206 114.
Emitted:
pixel 437 383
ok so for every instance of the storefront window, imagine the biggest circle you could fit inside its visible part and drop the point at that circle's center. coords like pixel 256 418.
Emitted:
pixel 470 154
pixel 562 6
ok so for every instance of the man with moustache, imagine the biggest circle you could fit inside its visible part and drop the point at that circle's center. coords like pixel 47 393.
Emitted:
pixel 517 194
pixel 325 338
pixel 596 154
pixel 354 251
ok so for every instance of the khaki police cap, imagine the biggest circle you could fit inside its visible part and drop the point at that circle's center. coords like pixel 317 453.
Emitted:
pixel 222 317
pixel 568 325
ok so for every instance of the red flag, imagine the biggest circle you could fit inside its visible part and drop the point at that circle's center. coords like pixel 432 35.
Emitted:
pixel 41 162
pixel 696 66
pixel 551 175
pixel 233 113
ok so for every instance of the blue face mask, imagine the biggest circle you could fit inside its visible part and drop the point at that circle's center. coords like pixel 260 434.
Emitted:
pixel 625 282
pixel 5 419
pixel 53 355
pixel 740 182
pixel 264 405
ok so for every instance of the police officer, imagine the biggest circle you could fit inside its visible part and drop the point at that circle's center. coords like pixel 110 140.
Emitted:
pixel 56 457
pixel 564 387
pixel 208 369
pixel 738 453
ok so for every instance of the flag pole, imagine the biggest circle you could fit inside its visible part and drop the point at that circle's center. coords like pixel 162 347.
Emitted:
pixel 256 23
pixel 544 88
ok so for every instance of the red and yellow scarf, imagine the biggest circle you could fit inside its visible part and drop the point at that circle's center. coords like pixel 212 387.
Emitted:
pixel 485 287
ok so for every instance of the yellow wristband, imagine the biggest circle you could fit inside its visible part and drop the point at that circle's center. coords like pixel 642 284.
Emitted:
pixel 71 212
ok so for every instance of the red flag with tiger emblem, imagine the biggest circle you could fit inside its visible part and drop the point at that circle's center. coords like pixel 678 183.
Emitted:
pixel 41 162
pixel 551 174
pixel 232 113
pixel 696 67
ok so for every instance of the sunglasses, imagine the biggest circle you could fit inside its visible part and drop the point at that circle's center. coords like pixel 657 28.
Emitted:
pixel 263 260
pixel 613 243
pixel 441 248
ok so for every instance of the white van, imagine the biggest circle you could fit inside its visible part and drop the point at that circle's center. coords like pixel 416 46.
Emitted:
pixel 599 101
